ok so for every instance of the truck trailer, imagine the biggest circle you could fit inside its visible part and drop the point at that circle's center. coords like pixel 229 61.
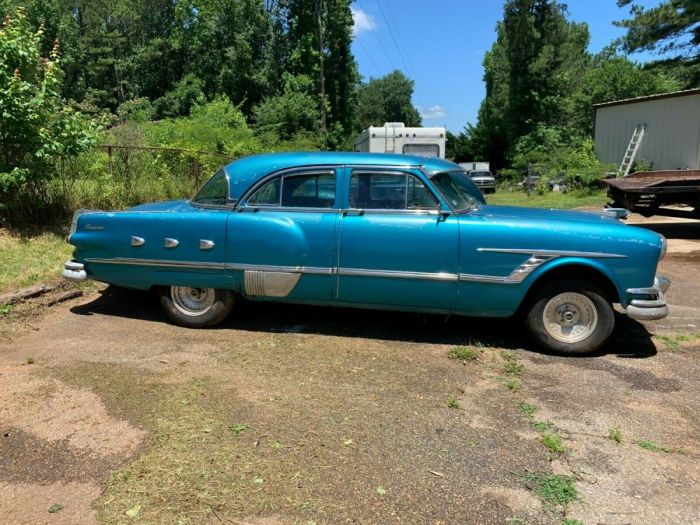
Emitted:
pixel 395 137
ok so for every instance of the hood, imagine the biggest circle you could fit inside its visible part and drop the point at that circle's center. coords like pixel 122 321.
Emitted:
pixel 180 205
pixel 542 214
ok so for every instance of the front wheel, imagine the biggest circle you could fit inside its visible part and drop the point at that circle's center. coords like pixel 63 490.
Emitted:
pixel 196 307
pixel 571 318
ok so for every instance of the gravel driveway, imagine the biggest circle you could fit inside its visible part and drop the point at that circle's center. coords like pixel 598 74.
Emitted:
pixel 290 414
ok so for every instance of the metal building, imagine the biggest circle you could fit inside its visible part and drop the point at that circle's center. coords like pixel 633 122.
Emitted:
pixel 671 124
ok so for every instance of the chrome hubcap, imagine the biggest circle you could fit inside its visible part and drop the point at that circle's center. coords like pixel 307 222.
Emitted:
pixel 570 317
pixel 192 301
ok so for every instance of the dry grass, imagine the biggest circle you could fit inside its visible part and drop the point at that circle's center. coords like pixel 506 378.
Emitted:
pixel 28 258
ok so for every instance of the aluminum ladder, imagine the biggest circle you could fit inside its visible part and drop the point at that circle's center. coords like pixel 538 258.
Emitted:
pixel 632 149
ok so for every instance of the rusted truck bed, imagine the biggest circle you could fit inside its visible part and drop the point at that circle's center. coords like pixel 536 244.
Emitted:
pixel 650 192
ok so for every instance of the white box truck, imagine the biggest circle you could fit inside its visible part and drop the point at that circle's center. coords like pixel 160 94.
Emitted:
pixel 394 137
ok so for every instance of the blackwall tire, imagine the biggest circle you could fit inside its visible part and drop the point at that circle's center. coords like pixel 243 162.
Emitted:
pixel 570 318
pixel 196 307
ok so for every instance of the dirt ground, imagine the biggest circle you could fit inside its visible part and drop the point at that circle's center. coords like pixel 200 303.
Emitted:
pixel 290 414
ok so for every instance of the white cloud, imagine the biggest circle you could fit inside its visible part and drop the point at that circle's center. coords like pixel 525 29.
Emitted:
pixel 362 21
pixel 433 112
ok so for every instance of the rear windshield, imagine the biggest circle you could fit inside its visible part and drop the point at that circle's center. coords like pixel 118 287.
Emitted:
pixel 214 192
pixel 480 174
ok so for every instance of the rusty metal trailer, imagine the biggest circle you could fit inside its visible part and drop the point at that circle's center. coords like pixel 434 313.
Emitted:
pixel 650 192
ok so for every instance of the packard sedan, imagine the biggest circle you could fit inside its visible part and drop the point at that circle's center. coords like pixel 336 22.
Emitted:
pixel 375 231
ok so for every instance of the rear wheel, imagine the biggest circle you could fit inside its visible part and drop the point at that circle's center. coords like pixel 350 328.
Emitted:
pixel 196 307
pixel 570 317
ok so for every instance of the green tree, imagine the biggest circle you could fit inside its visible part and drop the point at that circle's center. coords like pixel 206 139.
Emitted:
pixel 531 72
pixel 671 29
pixel 615 78
pixel 320 38
pixel 387 99
pixel 36 126
pixel 291 112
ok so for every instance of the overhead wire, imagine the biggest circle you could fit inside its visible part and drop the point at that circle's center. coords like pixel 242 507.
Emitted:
pixel 405 62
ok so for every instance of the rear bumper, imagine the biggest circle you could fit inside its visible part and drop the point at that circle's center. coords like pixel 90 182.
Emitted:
pixel 74 271
pixel 648 304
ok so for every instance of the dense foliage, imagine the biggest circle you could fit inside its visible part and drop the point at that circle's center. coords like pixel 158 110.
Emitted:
pixel 541 83
pixel 227 77
pixel 37 127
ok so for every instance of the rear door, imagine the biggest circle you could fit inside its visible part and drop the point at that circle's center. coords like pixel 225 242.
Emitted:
pixel 282 238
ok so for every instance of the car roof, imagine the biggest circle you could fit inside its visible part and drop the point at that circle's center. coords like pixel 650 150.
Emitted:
pixel 244 172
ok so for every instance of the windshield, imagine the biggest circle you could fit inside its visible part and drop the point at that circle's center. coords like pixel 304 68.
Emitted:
pixel 480 174
pixel 214 192
pixel 458 190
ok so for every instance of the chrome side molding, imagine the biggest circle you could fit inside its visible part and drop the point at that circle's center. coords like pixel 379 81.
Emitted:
pixel 170 243
pixel 205 244
pixel 137 241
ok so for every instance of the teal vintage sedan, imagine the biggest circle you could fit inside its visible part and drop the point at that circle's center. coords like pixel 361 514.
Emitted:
pixel 375 231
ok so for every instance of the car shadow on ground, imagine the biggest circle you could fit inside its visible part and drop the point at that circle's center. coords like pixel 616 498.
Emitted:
pixel 675 230
pixel 630 340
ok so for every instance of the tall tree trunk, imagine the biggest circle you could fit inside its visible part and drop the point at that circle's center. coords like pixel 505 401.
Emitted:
pixel 321 74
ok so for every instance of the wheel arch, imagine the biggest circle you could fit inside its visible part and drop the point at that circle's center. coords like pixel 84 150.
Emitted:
pixel 596 274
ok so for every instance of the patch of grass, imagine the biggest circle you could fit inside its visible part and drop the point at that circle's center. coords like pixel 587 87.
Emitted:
pixel 673 342
pixel 527 410
pixel 542 426
pixel 615 434
pixel 553 489
pixel 651 446
pixel 463 353
pixel 238 428
pixel 570 521
pixel 55 507
pixel 29 360
pixel 507 355
pixel 6 309
pixel 553 442
pixel 513 368
pixel 28 258
pixel 453 403
pixel 513 385
pixel 552 199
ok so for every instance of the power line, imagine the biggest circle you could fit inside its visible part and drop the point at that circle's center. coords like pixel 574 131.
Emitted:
pixel 405 62
pixel 369 55
pixel 381 44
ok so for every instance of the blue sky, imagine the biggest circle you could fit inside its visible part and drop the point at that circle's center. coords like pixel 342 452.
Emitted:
pixel 441 43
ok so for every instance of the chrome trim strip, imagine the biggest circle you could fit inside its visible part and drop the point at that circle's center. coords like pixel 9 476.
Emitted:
pixel 553 253
pixel 438 276
pixel 288 269
pixel 485 278
pixel 289 209
pixel 159 262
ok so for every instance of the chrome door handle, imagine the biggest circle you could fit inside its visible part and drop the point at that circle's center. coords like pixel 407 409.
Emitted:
pixel 352 211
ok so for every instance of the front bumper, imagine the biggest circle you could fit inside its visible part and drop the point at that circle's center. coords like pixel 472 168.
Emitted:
pixel 648 304
pixel 74 271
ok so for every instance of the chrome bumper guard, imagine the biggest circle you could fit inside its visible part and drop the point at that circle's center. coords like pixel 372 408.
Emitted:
pixel 74 271
pixel 648 304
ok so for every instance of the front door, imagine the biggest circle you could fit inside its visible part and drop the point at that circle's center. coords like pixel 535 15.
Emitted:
pixel 395 247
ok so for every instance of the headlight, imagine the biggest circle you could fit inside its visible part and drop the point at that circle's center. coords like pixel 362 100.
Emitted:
pixel 664 247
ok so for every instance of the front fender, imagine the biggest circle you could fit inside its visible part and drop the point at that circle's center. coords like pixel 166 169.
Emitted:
pixel 602 266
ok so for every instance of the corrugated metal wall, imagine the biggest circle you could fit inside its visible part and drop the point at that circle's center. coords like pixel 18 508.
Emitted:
pixel 671 139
